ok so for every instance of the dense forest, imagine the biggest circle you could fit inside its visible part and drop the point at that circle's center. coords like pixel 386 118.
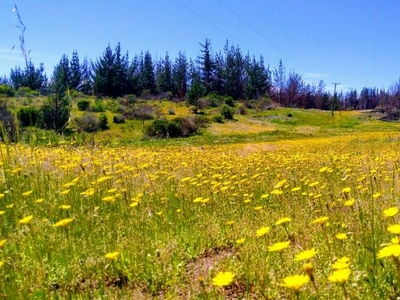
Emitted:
pixel 227 72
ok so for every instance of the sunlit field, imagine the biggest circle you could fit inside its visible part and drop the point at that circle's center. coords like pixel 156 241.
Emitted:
pixel 310 219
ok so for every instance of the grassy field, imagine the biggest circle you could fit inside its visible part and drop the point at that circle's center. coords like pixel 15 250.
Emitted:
pixel 236 212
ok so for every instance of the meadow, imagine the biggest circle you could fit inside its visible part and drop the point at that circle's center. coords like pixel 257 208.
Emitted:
pixel 314 217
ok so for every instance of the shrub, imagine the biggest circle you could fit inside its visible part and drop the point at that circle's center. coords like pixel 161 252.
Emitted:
pixel 111 105
pixel 146 94
pixel 242 110
pixel 119 119
pixel 7 90
pixel 227 112
pixel 89 122
pixel 103 122
pixel 98 106
pixel 8 129
pixel 28 116
pixel 83 105
pixel 218 119
pixel 229 101
pixel 26 91
pixel 178 127
pixel 171 111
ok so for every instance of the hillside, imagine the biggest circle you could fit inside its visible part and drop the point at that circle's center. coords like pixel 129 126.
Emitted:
pixel 249 123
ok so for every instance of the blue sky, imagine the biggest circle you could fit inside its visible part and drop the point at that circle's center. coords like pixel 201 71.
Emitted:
pixel 352 42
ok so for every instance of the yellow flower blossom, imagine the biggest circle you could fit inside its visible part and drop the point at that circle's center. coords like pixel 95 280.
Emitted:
pixel 395 229
pixel 391 212
pixel 263 231
pixel 223 279
pixel 321 220
pixel 340 276
pixel 27 194
pixel 283 220
pixel 63 223
pixel 346 190
pixel 341 236
pixel 26 220
pixel 306 255
pixel 390 250
pixel 112 255
pixel 295 282
pixel 280 246
pixel 2 243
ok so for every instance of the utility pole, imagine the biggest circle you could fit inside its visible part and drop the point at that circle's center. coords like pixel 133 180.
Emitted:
pixel 334 96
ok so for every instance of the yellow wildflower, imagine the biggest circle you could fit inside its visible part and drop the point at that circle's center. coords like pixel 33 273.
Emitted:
pixel 340 276
pixel 320 220
pixel 341 236
pixel 26 220
pixel 63 223
pixel 27 194
pixel 346 190
pixel 283 220
pixel 223 278
pixel 390 250
pixel 395 229
pixel 295 282
pixel 280 246
pixel 240 241
pixel 2 243
pixel 112 255
pixel 391 211
pixel 263 231
pixel 306 254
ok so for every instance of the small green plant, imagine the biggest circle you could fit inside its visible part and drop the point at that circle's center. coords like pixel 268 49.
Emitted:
pixel 28 116
pixel 83 105
pixel 227 112
pixel 103 122
pixel 118 119
pixel 7 90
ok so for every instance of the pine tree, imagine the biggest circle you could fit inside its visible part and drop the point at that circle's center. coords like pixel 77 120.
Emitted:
pixel 180 76
pixel 206 66
pixel 103 73
pixel 258 78
pixel 31 77
pixel 234 72
pixel 148 81
pixel 75 72
pixel 61 78
pixel 164 75
pixel 280 82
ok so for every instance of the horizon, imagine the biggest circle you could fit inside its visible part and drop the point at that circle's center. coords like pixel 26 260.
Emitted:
pixel 358 49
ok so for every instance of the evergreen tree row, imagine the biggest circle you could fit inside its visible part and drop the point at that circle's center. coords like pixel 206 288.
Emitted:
pixel 227 73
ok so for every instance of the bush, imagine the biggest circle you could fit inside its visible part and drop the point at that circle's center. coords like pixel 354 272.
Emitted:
pixel 229 101
pixel 28 116
pixel 218 119
pixel 83 105
pixel 103 122
pixel 142 112
pixel 98 106
pixel 119 119
pixel 178 127
pixel 89 122
pixel 227 112
pixel 26 91
pixel 8 129
pixel 7 90
pixel 242 110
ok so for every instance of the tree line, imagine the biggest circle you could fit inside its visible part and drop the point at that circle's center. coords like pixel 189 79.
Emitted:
pixel 227 72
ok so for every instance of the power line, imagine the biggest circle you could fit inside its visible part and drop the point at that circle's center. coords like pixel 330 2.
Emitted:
pixel 213 24
pixel 259 32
